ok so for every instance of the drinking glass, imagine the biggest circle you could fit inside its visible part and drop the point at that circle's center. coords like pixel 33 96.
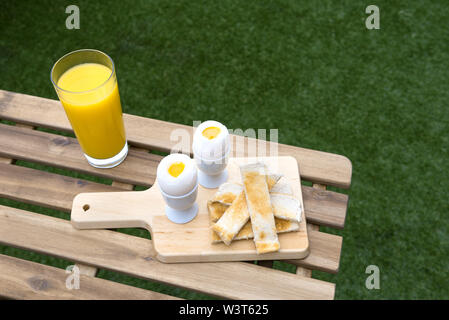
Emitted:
pixel 86 84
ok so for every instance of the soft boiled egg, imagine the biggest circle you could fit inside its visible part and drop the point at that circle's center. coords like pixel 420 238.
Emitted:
pixel 177 174
pixel 211 140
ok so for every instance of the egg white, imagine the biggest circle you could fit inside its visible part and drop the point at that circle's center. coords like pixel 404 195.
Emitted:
pixel 211 149
pixel 182 184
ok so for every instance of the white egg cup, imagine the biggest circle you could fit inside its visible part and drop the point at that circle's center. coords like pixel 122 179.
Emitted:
pixel 212 173
pixel 181 209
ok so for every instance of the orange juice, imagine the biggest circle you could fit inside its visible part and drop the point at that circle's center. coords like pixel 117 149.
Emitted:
pixel 91 100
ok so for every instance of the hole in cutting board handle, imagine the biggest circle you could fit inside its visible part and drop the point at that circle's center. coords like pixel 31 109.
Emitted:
pixel 86 207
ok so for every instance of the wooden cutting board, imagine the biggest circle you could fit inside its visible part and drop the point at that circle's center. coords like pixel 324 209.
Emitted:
pixel 190 242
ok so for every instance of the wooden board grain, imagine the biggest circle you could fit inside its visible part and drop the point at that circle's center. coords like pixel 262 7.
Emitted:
pixel 190 242
pixel 135 256
pixel 21 279
pixel 316 166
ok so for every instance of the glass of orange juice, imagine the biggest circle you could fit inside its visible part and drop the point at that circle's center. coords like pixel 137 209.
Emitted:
pixel 86 84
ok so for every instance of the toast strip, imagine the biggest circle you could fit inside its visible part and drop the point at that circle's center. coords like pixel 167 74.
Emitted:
pixel 234 218
pixel 259 207
pixel 216 210
pixel 227 192
pixel 282 187
pixel 237 215
pixel 282 226
pixel 286 207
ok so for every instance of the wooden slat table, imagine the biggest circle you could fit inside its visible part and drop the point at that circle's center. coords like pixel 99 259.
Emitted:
pixel 131 255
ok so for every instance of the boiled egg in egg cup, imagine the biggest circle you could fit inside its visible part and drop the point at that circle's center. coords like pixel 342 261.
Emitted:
pixel 177 178
pixel 211 146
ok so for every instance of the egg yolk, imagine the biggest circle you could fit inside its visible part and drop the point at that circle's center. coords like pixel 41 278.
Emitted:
pixel 211 132
pixel 176 169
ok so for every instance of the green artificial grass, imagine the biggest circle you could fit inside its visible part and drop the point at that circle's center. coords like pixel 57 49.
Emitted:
pixel 308 68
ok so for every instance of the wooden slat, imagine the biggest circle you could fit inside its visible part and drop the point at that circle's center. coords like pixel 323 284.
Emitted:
pixel 57 192
pixel 325 208
pixel 316 166
pixel 325 251
pixel 300 270
pixel 43 188
pixel 5 160
pixel 305 272
pixel 21 279
pixel 9 160
pixel 87 270
pixel 65 152
pixel 132 255
pixel 333 259
pixel 127 186
pixel 121 185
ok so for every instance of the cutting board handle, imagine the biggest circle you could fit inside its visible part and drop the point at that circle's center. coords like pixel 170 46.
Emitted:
pixel 112 210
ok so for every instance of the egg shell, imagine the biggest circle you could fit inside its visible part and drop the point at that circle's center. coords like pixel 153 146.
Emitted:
pixel 182 184
pixel 211 149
